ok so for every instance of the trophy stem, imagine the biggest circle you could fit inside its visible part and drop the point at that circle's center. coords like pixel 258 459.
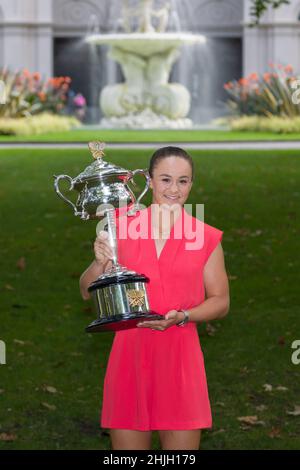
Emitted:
pixel 112 238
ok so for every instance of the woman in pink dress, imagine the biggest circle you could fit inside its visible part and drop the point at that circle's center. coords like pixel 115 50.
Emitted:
pixel 155 377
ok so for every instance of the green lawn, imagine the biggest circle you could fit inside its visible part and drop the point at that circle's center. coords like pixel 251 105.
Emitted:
pixel 110 135
pixel 253 196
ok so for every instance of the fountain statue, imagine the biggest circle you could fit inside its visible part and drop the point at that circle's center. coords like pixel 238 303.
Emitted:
pixel 146 55
pixel 144 13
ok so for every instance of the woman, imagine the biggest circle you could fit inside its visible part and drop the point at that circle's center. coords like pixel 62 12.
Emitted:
pixel 155 377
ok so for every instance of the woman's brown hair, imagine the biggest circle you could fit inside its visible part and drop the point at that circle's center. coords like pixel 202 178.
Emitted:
pixel 169 151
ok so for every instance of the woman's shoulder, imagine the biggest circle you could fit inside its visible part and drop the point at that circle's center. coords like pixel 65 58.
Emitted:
pixel 199 224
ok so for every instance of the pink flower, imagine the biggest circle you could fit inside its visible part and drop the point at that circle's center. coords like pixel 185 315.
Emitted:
pixel 267 77
pixel 79 100
pixel 288 68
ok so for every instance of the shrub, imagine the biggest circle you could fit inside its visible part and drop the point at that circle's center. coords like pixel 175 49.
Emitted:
pixel 275 124
pixel 27 94
pixel 34 125
pixel 268 95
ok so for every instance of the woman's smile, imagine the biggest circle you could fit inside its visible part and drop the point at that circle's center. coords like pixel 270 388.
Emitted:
pixel 171 181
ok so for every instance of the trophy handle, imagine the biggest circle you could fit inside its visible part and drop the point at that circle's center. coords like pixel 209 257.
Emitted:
pixel 136 207
pixel 56 186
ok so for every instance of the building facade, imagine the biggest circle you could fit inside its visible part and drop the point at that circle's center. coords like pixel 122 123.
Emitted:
pixel 48 36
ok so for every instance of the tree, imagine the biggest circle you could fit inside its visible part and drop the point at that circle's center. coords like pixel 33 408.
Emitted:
pixel 260 6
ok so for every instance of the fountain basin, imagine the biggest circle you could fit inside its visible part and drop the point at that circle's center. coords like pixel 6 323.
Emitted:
pixel 146 44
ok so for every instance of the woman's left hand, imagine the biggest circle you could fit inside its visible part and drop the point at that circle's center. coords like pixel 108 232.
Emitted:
pixel 171 318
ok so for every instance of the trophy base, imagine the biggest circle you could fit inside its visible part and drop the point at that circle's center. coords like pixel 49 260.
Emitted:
pixel 121 322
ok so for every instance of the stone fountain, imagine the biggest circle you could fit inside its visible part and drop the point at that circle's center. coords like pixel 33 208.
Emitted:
pixel 146 55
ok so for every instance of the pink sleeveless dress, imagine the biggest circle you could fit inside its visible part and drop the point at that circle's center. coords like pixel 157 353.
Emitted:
pixel 156 379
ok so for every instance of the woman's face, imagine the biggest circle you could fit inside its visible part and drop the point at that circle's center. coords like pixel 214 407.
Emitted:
pixel 172 181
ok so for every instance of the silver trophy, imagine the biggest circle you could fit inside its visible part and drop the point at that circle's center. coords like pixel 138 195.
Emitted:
pixel 119 294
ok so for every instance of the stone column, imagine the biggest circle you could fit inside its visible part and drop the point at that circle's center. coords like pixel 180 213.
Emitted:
pixel 26 32
pixel 275 40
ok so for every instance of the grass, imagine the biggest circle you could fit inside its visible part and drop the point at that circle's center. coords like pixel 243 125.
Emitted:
pixel 253 196
pixel 110 135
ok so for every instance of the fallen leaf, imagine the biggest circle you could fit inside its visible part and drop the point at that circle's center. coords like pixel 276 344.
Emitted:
pixel 261 408
pixel 9 287
pixel 21 264
pixel 275 432
pixel 220 403
pixel 281 389
pixel 7 437
pixel 256 233
pixel 18 341
pixel 33 247
pixel 1 391
pixel 232 278
pixel 268 387
pixel 296 411
pixel 251 420
pixel 242 231
pixel 210 329
pixel 48 406
pixel 87 309
pixel 49 389
pixel 248 419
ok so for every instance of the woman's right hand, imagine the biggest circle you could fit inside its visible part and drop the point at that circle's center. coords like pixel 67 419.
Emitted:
pixel 102 249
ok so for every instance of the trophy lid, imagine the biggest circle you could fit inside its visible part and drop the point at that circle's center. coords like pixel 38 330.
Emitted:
pixel 99 167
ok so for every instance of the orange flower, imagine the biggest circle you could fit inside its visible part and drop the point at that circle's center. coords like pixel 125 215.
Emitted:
pixel 243 81
pixel 267 77
pixel 253 76
pixel 26 73
pixel 36 76
pixel 228 86
pixel 42 96
pixel 288 68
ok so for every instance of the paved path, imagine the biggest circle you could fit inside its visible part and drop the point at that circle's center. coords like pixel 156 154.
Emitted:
pixel 236 145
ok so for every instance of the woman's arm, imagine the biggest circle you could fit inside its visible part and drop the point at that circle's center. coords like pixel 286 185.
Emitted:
pixel 102 262
pixel 217 300
pixel 91 274
pixel 216 286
